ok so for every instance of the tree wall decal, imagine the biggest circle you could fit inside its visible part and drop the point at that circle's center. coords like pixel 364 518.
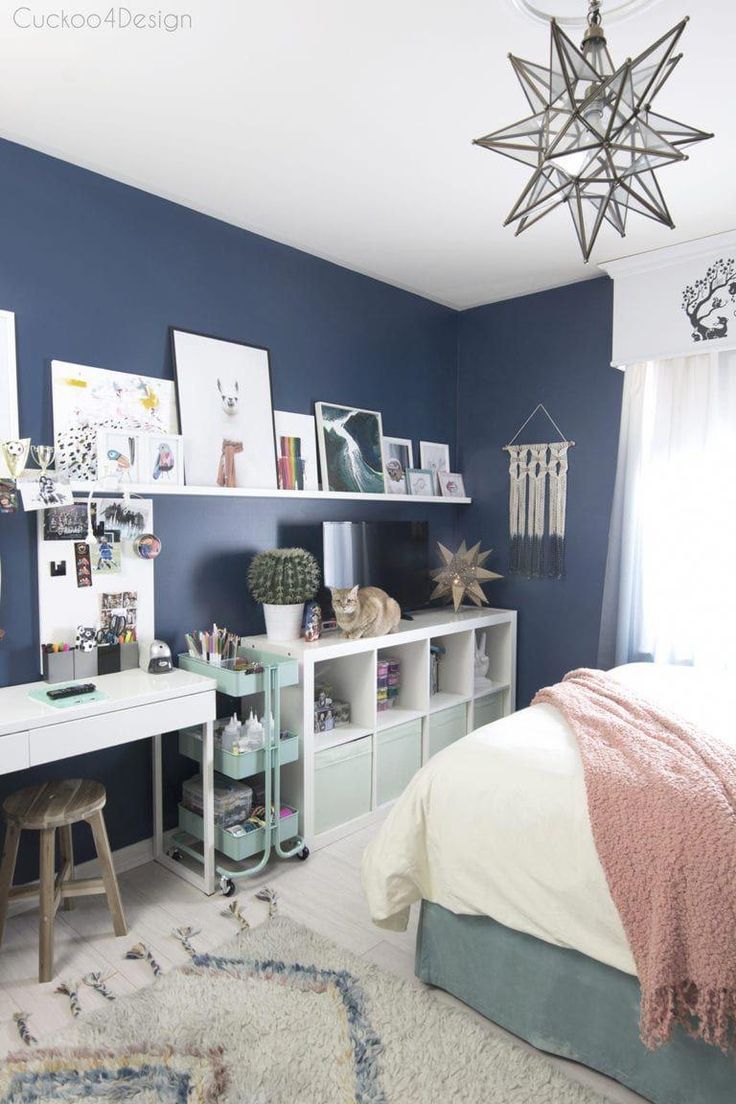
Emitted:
pixel 705 298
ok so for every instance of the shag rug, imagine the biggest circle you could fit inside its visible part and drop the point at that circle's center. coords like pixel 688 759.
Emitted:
pixel 279 1015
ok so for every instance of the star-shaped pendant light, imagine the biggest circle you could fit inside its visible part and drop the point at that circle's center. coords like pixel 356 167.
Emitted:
pixel 593 140
pixel 461 574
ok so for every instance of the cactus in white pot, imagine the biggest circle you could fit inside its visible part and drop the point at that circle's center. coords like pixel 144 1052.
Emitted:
pixel 283 579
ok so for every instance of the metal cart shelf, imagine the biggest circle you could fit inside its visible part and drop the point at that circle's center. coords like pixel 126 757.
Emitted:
pixel 282 822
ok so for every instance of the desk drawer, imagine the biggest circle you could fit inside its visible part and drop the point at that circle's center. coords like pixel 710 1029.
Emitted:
pixel 121 726
pixel 14 753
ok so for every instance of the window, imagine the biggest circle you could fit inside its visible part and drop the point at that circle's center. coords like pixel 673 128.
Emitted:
pixel 670 591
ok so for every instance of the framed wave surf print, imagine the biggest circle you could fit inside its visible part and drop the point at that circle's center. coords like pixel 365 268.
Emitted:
pixel 350 449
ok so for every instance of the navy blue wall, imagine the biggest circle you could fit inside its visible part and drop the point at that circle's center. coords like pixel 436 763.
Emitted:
pixel 96 272
pixel 554 348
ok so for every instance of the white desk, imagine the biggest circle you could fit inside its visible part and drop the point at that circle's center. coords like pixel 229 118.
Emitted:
pixel 136 706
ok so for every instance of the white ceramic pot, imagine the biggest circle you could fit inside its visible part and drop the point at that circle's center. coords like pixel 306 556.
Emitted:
pixel 283 622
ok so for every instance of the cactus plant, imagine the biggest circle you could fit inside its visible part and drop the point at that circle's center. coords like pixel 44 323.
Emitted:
pixel 283 576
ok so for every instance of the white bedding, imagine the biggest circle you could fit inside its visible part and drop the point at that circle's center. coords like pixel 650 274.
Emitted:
pixel 497 825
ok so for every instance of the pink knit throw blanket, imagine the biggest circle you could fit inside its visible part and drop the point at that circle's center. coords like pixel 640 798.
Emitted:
pixel 662 804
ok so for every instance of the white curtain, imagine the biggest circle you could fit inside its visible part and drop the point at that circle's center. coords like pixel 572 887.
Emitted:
pixel 670 589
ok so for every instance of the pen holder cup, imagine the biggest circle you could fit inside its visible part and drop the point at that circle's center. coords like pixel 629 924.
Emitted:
pixel 129 657
pixel 58 666
pixel 85 663
pixel 108 659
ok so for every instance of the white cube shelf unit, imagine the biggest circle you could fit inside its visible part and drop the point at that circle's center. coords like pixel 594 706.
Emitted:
pixel 350 775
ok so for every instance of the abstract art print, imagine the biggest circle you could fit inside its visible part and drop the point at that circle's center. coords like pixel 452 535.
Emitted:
pixel 398 457
pixel 350 449
pixel 86 399
pixel 296 451
pixel 436 458
pixel 224 391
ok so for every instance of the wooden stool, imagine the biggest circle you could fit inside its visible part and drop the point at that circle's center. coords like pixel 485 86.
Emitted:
pixel 44 809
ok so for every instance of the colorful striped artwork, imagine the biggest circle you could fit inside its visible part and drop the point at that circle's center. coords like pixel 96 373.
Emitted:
pixel 290 464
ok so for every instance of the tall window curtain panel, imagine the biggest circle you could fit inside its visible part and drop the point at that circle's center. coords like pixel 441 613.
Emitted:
pixel 670 588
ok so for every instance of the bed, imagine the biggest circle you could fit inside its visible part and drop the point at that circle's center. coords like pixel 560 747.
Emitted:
pixel 493 837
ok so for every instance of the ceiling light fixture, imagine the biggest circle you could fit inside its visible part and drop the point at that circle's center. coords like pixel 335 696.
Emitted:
pixel 593 141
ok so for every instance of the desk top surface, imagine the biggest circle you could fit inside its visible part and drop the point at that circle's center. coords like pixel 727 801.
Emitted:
pixel 123 690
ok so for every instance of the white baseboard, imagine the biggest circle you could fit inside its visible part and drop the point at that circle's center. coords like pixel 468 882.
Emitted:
pixel 126 858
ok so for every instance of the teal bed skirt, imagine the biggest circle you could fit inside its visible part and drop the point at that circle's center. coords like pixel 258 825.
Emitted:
pixel 566 1004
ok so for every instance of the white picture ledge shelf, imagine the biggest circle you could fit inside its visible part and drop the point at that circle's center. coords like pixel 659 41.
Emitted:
pixel 249 492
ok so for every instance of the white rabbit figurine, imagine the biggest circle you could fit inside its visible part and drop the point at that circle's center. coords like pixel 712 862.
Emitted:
pixel 482 659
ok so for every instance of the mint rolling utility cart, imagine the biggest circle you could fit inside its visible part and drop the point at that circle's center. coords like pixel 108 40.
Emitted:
pixel 278 750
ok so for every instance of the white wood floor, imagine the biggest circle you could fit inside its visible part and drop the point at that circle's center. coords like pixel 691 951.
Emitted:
pixel 323 893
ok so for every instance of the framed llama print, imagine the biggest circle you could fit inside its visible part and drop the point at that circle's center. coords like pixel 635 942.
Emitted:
pixel 226 411
pixel 350 449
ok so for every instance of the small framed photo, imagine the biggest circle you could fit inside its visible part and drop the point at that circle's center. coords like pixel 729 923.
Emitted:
pixel 118 455
pixel 451 484
pixel 161 459
pixel 435 457
pixel 398 458
pixel 420 481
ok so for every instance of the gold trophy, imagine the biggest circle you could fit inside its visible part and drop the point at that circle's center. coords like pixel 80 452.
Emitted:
pixel 15 455
pixel 43 455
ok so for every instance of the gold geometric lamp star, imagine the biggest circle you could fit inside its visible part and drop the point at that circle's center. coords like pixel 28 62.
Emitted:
pixel 592 140
pixel 461 575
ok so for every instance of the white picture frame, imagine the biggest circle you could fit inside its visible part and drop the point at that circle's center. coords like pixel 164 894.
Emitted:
pixel 9 419
pixel 451 484
pixel 301 428
pixel 161 461
pixel 398 452
pixel 118 456
pixel 225 411
pixel 341 429
pixel 436 457
pixel 420 481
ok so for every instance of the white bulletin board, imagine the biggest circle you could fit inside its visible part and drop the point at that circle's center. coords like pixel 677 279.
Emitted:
pixel 62 605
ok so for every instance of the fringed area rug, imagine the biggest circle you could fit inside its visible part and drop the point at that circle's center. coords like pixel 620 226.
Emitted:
pixel 279 1015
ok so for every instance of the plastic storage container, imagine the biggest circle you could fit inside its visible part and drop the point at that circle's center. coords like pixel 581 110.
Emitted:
pixel 233 800
pixel 399 758
pixel 487 709
pixel 342 783
pixel 445 727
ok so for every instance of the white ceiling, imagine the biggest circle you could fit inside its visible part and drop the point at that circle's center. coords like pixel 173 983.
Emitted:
pixel 345 128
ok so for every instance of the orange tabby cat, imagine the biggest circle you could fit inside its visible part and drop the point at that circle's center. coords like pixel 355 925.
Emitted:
pixel 365 611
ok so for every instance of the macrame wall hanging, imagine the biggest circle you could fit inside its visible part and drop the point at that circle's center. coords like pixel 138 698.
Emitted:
pixel 538 503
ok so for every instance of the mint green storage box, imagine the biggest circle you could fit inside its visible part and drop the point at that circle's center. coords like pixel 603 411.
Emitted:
pixel 399 758
pixel 487 709
pixel 445 727
pixel 342 783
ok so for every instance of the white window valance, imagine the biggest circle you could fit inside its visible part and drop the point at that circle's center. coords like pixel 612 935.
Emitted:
pixel 676 301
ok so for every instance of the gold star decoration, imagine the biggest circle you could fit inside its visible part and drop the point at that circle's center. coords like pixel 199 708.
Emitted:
pixel 461 574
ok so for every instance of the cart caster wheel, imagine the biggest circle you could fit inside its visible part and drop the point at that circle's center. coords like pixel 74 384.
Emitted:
pixel 175 854
pixel 227 887
pixel 303 855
